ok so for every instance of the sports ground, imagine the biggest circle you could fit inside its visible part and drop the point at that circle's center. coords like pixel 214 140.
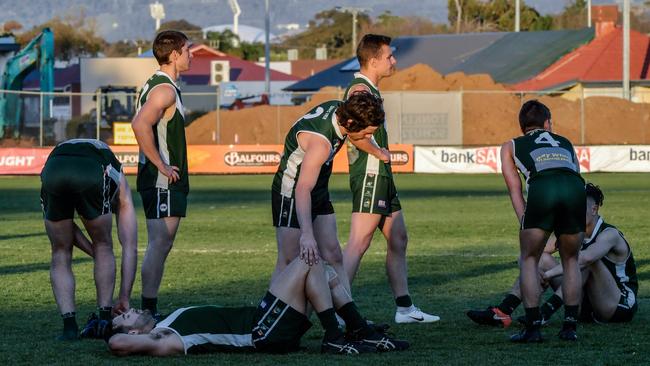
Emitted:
pixel 462 254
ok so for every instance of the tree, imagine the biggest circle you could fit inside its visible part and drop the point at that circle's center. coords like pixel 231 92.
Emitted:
pixel 74 36
pixel 11 26
pixel 574 16
pixel 228 42
pixel 394 26
pixel 496 15
pixel 192 31
pixel 331 28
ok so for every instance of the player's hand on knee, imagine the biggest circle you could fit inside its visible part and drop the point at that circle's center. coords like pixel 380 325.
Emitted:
pixel 309 249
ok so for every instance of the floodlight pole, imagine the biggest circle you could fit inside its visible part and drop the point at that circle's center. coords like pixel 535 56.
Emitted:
pixel 517 15
pixel 626 49
pixel 589 13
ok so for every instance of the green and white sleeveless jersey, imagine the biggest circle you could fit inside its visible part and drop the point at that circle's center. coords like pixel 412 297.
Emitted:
pixel 624 273
pixel 362 163
pixel 211 328
pixel 540 151
pixel 94 149
pixel 169 137
pixel 320 121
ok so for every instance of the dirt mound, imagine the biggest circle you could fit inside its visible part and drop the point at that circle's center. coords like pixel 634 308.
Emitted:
pixel 417 77
pixel 258 125
pixel 490 114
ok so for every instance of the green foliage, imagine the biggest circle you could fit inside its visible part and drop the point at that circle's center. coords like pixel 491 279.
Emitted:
pixel 331 28
pixel 74 35
pixel 228 42
pixel 497 15
pixel 462 254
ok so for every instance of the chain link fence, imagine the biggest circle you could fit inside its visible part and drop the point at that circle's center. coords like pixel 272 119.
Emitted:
pixel 454 118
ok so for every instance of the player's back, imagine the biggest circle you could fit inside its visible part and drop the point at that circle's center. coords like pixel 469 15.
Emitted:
pixel 541 152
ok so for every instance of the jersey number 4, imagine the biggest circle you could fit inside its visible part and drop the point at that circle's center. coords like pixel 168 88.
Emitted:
pixel 546 138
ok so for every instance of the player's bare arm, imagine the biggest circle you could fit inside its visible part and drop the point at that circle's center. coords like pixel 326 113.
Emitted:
pixel 81 242
pixel 607 240
pixel 317 151
pixel 160 102
pixel 160 342
pixel 370 146
pixel 127 231
pixel 513 182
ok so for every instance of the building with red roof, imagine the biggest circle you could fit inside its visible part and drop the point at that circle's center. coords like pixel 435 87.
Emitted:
pixel 596 69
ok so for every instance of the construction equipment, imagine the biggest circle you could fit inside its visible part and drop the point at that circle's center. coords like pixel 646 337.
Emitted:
pixel 117 104
pixel 240 103
pixel 38 53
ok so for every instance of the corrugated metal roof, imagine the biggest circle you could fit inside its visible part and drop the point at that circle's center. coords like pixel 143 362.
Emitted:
pixel 520 56
pixel 600 60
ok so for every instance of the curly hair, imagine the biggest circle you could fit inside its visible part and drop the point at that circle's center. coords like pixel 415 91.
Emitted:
pixel 363 110
pixel 594 192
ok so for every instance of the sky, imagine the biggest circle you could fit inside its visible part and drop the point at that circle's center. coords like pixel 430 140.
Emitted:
pixel 130 19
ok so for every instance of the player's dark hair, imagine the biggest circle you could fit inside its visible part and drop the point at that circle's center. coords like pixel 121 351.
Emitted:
pixel 165 43
pixel 533 114
pixel 364 109
pixel 370 46
pixel 594 192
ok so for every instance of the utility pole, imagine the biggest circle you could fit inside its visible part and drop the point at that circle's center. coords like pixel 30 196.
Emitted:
pixel 354 12
pixel 267 50
pixel 589 13
pixel 517 15
pixel 626 49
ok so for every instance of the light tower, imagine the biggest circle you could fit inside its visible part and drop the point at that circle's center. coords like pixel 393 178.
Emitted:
pixel 236 11
pixel 157 12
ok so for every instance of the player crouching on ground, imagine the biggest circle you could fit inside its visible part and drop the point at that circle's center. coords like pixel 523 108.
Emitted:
pixel 275 326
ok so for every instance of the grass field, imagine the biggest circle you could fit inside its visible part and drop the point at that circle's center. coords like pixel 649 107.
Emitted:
pixel 462 254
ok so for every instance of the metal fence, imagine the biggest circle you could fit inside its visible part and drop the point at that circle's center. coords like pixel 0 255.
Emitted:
pixel 453 118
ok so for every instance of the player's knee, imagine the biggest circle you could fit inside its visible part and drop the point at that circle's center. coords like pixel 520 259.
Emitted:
pixel 333 256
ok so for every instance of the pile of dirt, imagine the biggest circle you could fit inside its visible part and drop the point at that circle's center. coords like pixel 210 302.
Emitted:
pixel 490 113
pixel 257 125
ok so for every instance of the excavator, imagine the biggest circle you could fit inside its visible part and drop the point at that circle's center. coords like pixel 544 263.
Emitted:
pixel 38 53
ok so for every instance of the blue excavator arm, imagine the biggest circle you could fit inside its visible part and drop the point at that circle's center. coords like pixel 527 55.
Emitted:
pixel 38 53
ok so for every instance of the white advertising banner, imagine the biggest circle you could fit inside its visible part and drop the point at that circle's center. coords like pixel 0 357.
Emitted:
pixel 624 158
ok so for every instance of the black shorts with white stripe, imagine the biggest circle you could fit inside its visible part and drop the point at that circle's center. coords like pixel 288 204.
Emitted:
pixel 277 327
pixel 159 203
pixel 284 210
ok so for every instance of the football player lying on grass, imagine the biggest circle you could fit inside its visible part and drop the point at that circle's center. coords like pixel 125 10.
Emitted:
pixel 274 326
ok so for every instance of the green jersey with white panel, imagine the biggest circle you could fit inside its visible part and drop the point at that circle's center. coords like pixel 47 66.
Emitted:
pixel 362 163
pixel 169 138
pixel 322 122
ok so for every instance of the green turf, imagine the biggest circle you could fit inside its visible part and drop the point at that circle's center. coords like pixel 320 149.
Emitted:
pixel 462 253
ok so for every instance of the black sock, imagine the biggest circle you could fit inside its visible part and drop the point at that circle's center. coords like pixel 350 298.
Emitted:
pixel 105 313
pixel 70 322
pixel 570 316
pixel 328 321
pixel 533 317
pixel 509 304
pixel 352 317
pixel 553 304
pixel 151 304
pixel 404 301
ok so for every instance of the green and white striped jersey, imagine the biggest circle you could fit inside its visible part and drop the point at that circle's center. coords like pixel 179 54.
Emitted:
pixel 361 163
pixel 320 121
pixel 169 137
